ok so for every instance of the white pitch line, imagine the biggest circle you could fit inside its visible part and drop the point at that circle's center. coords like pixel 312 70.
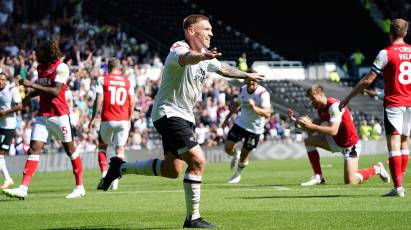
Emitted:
pixel 228 189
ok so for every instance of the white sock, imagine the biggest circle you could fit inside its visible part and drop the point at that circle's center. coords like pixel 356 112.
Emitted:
pixel 74 155
pixel 3 168
pixel 192 191
pixel 377 169
pixel 241 166
pixel 149 167
pixel 24 188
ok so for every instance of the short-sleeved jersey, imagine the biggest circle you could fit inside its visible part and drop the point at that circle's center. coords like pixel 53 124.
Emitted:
pixel 50 105
pixel 181 85
pixel 394 62
pixel 248 119
pixel 9 96
pixel 117 93
pixel 347 132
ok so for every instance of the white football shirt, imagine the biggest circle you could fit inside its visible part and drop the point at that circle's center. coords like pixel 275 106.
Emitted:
pixel 181 85
pixel 9 96
pixel 248 119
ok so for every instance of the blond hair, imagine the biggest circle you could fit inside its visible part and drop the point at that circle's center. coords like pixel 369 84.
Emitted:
pixel 399 28
pixel 193 19
pixel 315 89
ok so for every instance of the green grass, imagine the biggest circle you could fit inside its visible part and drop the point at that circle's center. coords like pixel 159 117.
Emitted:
pixel 268 197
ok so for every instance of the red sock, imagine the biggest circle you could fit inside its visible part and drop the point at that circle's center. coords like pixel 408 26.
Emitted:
pixel 404 163
pixel 29 169
pixel 367 173
pixel 102 160
pixel 314 157
pixel 395 163
pixel 77 170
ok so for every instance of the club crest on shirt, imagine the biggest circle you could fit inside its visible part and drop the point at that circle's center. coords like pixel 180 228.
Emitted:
pixel 199 75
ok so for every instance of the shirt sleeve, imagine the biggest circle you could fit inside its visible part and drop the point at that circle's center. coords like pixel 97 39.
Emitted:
pixel 265 100
pixel 15 95
pixel 62 73
pixel 178 49
pixel 214 65
pixel 335 113
pixel 380 62
pixel 99 85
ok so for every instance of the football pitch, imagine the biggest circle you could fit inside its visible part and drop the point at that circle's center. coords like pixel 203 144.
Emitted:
pixel 268 197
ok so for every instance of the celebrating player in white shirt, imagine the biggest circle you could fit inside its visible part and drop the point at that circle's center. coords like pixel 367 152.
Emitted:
pixel 254 102
pixel 185 70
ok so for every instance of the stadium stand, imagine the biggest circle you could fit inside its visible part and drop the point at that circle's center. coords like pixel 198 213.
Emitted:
pixel 147 19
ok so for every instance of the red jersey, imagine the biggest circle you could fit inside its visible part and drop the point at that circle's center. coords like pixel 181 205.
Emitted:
pixel 347 132
pixel 117 92
pixel 50 105
pixel 394 62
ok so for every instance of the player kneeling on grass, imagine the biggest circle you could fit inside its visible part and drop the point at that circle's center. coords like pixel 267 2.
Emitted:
pixel 254 102
pixel 339 136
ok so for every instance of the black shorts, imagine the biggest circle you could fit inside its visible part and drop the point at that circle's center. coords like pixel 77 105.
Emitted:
pixel 177 134
pixel 6 136
pixel 237 133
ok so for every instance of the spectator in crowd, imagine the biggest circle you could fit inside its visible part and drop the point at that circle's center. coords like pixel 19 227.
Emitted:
pixel 365 130
pixel 242 62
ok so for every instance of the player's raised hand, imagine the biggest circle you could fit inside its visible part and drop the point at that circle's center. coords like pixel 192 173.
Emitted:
pixel 211 54
pixel 291 115
pixel 254 77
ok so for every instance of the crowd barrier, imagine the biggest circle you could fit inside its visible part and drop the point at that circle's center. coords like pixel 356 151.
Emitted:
pixel 269 150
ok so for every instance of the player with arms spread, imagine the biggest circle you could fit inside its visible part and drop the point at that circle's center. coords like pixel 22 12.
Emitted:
pixel 186 68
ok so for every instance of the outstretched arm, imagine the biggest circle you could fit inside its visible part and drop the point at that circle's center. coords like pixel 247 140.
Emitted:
pixel 192 57
pixel 359 88
pixel 231 72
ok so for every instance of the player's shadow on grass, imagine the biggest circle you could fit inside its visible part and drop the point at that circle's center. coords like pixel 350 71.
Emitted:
pixel 105 228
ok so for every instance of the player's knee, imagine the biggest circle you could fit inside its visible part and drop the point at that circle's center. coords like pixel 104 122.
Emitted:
pixel 198 163
pixel 34 149
pixel 352 180
pixel 228 149
pixel 307 141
